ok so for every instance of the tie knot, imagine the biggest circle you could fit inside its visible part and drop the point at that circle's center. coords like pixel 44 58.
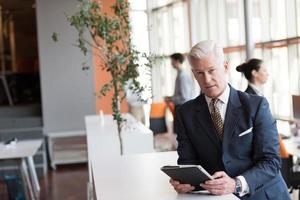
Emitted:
pixel 214 102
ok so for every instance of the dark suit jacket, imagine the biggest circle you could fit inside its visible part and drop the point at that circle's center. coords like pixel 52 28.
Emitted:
pixel 250 90
pixel 254 155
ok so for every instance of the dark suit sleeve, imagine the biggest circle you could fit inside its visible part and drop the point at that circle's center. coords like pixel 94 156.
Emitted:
pixel 265 149
pixel 187 154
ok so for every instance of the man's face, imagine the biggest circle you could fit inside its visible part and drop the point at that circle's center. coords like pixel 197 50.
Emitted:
pixel 210 74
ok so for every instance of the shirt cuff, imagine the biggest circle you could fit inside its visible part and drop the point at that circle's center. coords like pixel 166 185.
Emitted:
pixel 245 187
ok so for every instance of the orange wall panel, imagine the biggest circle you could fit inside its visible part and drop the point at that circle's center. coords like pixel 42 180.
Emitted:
pixel 102 77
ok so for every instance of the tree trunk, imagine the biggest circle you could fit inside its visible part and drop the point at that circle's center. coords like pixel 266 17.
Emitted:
pixel 117 114
pixel 120 136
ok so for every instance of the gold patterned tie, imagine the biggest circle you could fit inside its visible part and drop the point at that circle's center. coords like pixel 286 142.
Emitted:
pixel 216 117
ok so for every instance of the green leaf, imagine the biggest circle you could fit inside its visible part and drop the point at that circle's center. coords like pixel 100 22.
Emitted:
pixel 54 36
pixel 85 67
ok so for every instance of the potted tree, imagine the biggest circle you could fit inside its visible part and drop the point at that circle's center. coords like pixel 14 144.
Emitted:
pixel 109 38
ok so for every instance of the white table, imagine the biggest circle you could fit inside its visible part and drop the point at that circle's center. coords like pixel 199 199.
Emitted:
pixel 23 152
pixel 103 141
pixel 136 177
pixel 292 145
pixel 137 138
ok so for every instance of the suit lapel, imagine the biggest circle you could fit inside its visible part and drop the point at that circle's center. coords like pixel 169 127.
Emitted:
pixel 233 113
pixel 204 121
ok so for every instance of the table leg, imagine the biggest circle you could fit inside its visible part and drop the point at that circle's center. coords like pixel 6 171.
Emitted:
pixel 90 171
pixel 23 180
pixel 50 151
pixel 90 184
pixel 33 176
pixel 26 179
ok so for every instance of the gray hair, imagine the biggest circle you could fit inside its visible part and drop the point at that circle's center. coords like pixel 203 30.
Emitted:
pixel 204 48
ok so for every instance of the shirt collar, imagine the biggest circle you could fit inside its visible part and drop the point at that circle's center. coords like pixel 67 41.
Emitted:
pixel 224 97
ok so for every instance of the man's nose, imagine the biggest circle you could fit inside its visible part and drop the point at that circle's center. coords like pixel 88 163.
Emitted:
pixel 207 78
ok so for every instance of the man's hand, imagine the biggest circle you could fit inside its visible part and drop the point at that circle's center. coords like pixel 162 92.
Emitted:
pixel 181 188
pixel 222 184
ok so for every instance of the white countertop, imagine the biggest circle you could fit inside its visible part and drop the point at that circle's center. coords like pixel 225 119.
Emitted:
pixel 137 138
pixel 136 177
pixel 21 149
pixel 292 145
pixel 105 124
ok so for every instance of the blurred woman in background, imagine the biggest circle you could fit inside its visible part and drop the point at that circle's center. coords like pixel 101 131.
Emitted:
pixel 256 73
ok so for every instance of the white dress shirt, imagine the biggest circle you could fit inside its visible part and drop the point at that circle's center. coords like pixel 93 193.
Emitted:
pixel 222 106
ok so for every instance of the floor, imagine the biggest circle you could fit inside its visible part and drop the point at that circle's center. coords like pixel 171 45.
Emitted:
pixel 66 183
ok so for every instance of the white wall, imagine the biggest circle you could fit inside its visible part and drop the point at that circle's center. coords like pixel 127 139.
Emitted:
pixel 67 91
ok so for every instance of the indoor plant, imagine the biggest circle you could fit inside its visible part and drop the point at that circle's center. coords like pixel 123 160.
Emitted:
pixel 108 37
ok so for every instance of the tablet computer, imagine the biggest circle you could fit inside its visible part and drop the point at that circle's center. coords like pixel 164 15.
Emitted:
pixel 188 174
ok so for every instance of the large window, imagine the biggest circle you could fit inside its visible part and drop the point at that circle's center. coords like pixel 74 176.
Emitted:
pixel 275 25
pixel 140 40
pixel 169 33
pixel 176 25
pixel 278 45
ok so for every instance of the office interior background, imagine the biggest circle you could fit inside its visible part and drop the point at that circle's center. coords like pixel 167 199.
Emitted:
pixel 45 94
